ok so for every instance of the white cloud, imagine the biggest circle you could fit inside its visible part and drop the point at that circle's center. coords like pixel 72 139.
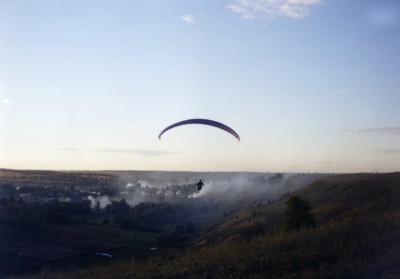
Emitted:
pixel 188 18
pixel 270 9
pixel 6 101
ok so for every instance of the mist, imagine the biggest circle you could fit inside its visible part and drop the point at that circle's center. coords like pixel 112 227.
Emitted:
pixel 101 201
pixel 219 188
pixel 259 188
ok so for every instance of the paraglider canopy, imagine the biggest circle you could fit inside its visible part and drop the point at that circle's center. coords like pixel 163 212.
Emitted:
pixel 203 122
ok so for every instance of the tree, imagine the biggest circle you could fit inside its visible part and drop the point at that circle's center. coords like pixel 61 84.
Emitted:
pixel 298 213
pixel 118 207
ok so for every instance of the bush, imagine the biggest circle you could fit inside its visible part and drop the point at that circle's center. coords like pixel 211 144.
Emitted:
pixel 298 213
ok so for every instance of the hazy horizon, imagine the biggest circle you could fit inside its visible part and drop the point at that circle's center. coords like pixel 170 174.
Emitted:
pixel 309 85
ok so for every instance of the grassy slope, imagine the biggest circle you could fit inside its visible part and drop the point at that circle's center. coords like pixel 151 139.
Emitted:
pixel 334 199
pixel 358 236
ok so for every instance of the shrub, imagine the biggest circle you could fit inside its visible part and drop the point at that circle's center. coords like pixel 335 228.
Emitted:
pixel 298 213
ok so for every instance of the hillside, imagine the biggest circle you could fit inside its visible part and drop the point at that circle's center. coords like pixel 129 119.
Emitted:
pixel 357 236
pixel 334 199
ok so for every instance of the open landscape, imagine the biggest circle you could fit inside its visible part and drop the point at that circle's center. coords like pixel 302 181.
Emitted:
pixel 200 139
pixel 132 225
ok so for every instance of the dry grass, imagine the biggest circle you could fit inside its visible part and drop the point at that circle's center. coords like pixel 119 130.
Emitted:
pixel 367 248
pixel 358 236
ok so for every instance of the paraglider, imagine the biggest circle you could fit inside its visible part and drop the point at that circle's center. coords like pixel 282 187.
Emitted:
pixel 199 185
pixel 203 122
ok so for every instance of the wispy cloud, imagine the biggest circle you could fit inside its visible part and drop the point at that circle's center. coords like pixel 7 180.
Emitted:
pixel 378 130
pixel 144 152
pixel 270 9
pixel 188 18
pixel 388 151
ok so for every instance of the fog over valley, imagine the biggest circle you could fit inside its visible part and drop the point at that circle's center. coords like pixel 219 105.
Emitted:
pixel 135 187
pixel 219 187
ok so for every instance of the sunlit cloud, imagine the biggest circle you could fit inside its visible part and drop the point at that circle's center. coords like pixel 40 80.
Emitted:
pixel 6 101
pixel 188 18
pixel 144 152
pixel 269 9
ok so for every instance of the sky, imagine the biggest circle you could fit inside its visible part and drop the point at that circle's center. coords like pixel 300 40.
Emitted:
pixel 309 85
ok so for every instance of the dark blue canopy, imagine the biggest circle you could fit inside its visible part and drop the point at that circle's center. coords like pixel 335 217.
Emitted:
pixel 204 122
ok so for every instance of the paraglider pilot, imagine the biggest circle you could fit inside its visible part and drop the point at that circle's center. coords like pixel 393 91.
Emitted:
pixel 199 185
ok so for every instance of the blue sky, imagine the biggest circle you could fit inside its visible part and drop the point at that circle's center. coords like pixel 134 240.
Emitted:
pixel 309 85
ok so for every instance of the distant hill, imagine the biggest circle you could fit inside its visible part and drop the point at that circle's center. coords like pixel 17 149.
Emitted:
pixel 357 236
